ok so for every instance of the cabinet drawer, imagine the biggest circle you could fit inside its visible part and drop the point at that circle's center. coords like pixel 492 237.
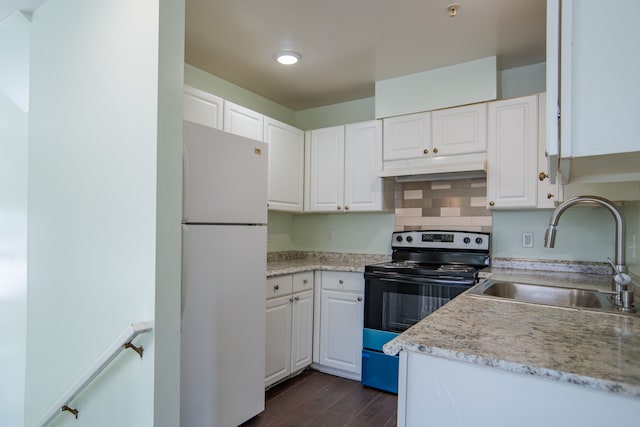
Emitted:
pixel 341 281
pixel 279 285
pixel 303 281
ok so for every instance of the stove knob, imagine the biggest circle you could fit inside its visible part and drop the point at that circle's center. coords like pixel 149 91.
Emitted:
pixel 478 240
pixel 399 238
pixel 467 240
pixel 409 239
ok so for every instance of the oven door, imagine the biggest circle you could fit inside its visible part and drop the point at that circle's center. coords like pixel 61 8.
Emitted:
pixel 394 303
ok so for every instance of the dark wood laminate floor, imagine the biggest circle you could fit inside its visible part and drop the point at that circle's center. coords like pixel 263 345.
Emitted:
pixel 316 399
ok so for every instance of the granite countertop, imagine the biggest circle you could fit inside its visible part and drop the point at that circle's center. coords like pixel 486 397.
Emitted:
pixel 597 350
pixel 290 262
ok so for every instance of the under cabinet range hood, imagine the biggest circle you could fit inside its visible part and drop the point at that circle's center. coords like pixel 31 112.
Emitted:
pixel 461 166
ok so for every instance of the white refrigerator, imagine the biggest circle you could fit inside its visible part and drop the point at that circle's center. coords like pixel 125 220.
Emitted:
pixel 224 246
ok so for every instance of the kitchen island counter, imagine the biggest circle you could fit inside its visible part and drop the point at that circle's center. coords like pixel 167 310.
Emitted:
pixel 597 350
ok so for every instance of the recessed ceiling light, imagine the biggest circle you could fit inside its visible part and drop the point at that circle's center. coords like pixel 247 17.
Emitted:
pixel 453 9
pixel 287 57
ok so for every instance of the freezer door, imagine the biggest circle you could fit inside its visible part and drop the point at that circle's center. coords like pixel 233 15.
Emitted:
pixel 225 177
pixel 223 324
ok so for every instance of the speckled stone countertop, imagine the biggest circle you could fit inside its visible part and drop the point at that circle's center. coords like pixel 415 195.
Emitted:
pixel 597 350
pixel 289 262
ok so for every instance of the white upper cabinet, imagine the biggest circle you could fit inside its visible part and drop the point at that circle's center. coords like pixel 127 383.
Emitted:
pixel 592 56
pixel 459 130
pixel 512 153
pixel 363 189
pixel 242 121
pixel 286 165
pixel 326 174
pixel 548 193
pixel 441 141
pixel 343 165
pixel 407 137
pixel 202 107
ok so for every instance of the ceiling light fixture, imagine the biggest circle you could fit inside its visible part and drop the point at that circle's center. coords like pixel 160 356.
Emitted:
pixel 453 9
pixel 287 57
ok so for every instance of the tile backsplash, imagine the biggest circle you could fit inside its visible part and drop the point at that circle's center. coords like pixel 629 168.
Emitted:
pixel 443 205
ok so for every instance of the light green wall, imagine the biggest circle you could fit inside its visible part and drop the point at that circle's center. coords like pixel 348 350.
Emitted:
pixel 279 232
pixel 352 232
pixel 96 236
pixel 168 290
pixel 460 84
pixel 632 215
pixel 522 81
pixel 371 232
pixel 584 234
pixel 337 114
pixel 13 260
pixel 209 83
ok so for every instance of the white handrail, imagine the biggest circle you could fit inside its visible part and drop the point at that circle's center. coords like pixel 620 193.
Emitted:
pixel 121 343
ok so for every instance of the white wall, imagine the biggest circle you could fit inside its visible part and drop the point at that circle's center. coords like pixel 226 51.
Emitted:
pixel 96 238
pixel 13 260
pixel 14 74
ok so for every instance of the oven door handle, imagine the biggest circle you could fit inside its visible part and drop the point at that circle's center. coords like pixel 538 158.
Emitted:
pixel 428 281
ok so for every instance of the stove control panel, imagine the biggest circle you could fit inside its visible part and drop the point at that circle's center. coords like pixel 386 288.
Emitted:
pixel 440 240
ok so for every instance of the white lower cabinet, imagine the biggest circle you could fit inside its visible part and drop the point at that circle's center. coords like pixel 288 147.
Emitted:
pixel 289 325
pixel 435 391
pixel 341 323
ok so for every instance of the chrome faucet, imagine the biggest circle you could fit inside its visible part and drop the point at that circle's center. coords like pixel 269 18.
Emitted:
pixel 620 280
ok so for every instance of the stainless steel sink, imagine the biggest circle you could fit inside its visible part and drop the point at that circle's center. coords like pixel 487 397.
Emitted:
pixel 548 295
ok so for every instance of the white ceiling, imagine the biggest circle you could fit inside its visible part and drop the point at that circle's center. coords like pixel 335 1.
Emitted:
pixel 346 45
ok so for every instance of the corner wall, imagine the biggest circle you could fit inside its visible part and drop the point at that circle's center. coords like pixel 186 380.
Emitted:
pixel 95 157
pixel 13 260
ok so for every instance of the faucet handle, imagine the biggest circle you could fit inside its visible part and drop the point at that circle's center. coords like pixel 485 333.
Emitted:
pixel 621 279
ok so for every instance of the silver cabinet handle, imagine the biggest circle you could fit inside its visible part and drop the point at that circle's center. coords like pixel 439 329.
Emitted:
pixel 305 281
pixel 290 299
pixel 297 298
pixel 359 298
pixel 276 287
pixel 341 281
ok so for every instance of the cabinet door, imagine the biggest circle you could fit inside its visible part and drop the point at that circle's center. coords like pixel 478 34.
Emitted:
pixel 243 121
pixel 407 137
pixel 341 323
pixel 278 334
pixel 286 165
pixel 327 170
pixel 202 107
pixel 548 193
pixel 302 330
pixel 599 98
pixel 363 161
pixel 512 153
pixel 459 130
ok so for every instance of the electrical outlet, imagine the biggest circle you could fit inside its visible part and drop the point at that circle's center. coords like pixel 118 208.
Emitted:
pixel 527 239
pixel 329 235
